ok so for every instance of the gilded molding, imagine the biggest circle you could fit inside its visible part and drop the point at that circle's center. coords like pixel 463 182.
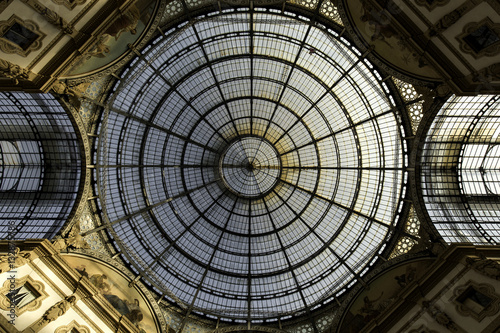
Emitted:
pixel 4 4
pixel 86 318
pixel 83 289
pixel 485 266
pixel 353 293
pixel 38 286
pixel 444 259
pixel 245 328
pixel 69 4
pixel 57 39
pixel 153 302
pixel 109 315
pixel 13 71
pixel 20 259
pixel 11 47
pixel 433 4
pixel 489 51
pixel 360 44
pixel 116 66
pixel 72 328
pixel 441 317
pixel 85 187
pixel 486 289
pixel 51 16
pixel 422 329
pixel 449 19
pixel 486 75
pixel 58 309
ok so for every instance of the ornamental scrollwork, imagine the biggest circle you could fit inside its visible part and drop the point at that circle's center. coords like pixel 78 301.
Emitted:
pixel 70 4
pixel 20 36
pixel 10 290
pixel 72 327
pixel 430 5
pixel 480 39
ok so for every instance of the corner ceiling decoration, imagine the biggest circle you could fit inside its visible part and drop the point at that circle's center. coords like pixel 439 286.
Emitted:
pixel 126 31
pixel 251 165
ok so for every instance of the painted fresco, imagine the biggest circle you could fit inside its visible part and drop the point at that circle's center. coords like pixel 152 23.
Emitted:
pixel 380 294
pixel 114 287
pixel 113 43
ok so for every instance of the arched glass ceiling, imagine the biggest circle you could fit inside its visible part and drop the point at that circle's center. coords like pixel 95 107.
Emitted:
pixel 461 170
pixel 40 166
pixel 251 165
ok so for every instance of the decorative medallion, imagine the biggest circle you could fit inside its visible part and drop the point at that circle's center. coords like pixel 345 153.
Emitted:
pixel 477 300
pixel 25 294
pixel 480 39
pixel 20 36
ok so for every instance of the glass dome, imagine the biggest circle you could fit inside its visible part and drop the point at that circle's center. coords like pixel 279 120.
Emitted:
pixel 251 164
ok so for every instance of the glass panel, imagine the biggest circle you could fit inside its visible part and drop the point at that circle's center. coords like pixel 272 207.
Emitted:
pixel 265 164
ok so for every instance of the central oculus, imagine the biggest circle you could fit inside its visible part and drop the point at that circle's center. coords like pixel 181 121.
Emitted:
pixel 250 167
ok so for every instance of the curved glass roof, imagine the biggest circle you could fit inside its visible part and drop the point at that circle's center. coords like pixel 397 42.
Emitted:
pixel 40 166
pixel 251 165
pixel 460 174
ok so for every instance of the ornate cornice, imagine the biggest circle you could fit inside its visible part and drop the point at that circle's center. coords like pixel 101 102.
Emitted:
pixel 84 188
pixel 452 260
pixel 72 327
pixel 245 328
pixel 80 286
pixel 69 4
pixel 433 4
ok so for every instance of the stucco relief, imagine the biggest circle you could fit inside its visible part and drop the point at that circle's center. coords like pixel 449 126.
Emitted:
pixel 476 300
pixel 20 36
pixel 480 39
pixel 9 294
pixel 70 4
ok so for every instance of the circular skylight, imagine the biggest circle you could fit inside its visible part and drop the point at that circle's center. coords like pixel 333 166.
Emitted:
pixel 251 165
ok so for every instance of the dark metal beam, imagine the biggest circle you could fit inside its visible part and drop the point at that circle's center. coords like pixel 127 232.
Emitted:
pixel 153 125
pixel 146 209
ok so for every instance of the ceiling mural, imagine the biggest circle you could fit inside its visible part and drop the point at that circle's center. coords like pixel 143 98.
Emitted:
pixel 126 29
pixel 113 285
pixel 381 294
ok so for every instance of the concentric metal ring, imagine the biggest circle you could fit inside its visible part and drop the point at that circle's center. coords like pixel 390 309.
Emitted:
pixel 259 165
pixel 250 167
